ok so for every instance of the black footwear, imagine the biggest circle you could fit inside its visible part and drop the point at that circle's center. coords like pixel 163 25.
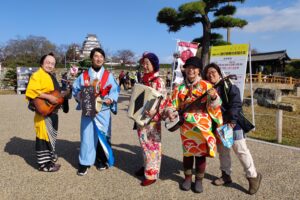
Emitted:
pixel 223 180
pixel 49 167
pixel 82 170
pixel 101 166
pixel 140 172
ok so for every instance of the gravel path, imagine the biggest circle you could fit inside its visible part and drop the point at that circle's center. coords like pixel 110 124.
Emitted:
pixel 20 179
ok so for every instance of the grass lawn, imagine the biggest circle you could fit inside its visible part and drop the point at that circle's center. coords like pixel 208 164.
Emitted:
pixel 3 92
pixel 265 120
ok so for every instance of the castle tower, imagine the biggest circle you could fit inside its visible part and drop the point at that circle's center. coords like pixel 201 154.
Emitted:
pixel 89 43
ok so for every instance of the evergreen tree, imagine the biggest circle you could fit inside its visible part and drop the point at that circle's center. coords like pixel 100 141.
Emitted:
pixel 10 78
pixel 192 13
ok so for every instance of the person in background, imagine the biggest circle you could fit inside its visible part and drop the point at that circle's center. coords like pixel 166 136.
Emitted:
pixel 65 87
pixel 139 76
pixel 231 106
pixel 132 79
pixel 122 80
pixel 40 84
pixel 127 80
pixel 95 131
pixel 64 80
pixel 168 79
pixel 150 135
pixel 198 140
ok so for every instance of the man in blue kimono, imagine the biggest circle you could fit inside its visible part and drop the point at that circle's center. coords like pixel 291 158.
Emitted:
pixel 95 130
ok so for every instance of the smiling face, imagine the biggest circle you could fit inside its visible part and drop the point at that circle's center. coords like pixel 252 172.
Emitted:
pixel 147 66
pixel 49 64
pixel 212 75
pixel 97 60
pixel 192 72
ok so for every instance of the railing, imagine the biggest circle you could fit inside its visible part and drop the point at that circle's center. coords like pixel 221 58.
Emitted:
pixel 263 78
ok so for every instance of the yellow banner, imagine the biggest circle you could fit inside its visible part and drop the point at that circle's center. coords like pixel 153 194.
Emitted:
pixel 230 50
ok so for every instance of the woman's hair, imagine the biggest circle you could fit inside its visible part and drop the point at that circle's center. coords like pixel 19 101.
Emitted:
pixel 99 50
pixel 44 57
pixel 153 60
pixel 212 65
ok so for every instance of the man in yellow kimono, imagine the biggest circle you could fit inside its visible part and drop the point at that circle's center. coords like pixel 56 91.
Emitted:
pixel 40 84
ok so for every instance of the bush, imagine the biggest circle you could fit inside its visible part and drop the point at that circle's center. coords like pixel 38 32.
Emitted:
pixel 292 71
pixel 10 78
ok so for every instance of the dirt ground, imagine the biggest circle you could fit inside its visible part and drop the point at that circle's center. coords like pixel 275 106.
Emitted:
pixel 279 165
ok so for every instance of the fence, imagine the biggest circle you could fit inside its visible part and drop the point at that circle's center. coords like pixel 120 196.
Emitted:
pixel 263 78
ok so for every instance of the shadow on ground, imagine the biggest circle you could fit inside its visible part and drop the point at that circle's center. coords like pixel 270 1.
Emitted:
pixel 26 149
pixel 129 159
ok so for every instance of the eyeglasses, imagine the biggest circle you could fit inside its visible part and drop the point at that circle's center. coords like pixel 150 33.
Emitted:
pixel 212 73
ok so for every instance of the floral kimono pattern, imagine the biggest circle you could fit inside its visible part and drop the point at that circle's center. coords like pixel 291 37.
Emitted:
pixel 196 132
pixel 150 135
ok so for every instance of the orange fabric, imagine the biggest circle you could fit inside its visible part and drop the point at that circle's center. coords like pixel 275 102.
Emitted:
pixel 196 132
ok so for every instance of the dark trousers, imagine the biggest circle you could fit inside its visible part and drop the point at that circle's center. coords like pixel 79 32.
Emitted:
pixel 100 154
pixel 122 82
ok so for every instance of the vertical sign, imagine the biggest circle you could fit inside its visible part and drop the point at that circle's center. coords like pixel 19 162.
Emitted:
pixel 232 59
pixel 23 76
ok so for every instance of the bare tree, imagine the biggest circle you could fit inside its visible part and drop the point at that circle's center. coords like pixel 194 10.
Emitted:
pixel 126 56
pixel 72 53
pixel 61 53
pixel 26 51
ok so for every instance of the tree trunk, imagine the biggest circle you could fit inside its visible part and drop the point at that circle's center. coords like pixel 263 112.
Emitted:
pixel 228 35
pixel 228 29
pixel 205 40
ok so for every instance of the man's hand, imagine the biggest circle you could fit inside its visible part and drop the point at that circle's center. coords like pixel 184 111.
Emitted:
pixel 107 101
pixel 52 99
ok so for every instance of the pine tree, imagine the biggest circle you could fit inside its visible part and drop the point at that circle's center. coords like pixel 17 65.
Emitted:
pixel 192 13
pixel 10 78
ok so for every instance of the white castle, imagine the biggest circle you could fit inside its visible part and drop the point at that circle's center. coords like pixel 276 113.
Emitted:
pixel 89 43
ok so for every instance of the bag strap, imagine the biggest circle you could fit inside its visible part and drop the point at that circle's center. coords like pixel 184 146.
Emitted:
pixel 86 79
pixel 104 79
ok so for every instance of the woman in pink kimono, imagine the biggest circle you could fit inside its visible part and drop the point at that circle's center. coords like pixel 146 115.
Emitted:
pixel 150 135
pixel 197 138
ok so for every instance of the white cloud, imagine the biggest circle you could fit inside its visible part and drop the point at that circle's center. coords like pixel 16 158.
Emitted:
pixel 287 19
pixel 255 11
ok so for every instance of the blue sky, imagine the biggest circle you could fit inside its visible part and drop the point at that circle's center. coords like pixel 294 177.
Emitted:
pixel 273 24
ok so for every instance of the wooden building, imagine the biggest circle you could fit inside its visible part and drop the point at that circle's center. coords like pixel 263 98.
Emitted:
pixel 275 61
